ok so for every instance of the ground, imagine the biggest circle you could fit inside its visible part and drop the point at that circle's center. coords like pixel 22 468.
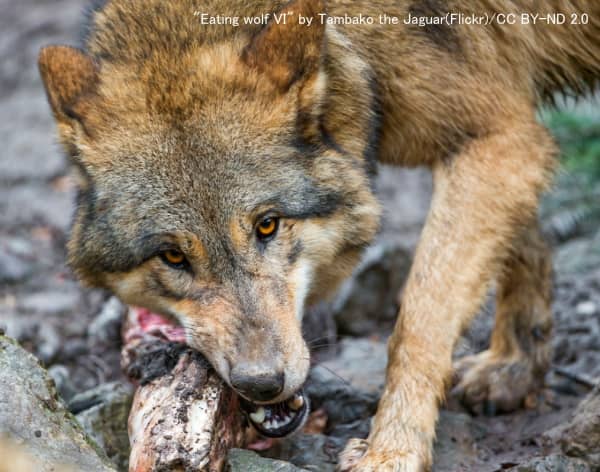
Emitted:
pixel 75 331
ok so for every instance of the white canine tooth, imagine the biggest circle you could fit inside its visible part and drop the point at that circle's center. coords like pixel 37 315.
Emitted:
pixel 258 416
pixel 296 402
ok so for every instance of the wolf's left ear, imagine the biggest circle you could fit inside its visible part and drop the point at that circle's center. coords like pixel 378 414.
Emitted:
pixel 68 75
pixel 287 49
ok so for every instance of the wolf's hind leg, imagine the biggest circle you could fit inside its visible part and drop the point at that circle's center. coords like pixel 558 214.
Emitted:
pixel 511 372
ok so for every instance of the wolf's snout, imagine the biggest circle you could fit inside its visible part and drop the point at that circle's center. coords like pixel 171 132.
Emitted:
pixel 260 387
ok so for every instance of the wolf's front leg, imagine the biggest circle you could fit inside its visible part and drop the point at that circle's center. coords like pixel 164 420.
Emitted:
pixel 481 198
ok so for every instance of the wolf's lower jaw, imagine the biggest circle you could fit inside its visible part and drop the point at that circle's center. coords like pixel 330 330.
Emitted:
pixel 278 419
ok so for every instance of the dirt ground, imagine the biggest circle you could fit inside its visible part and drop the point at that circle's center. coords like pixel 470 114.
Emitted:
pixel 73 332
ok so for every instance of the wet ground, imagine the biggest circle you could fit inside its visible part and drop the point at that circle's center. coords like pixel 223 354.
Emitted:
pixel 75 331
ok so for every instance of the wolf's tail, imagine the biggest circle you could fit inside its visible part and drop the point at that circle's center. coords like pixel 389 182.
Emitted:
pixel 567 47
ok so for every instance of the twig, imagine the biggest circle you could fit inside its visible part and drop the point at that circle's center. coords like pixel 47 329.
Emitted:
pixel 582 379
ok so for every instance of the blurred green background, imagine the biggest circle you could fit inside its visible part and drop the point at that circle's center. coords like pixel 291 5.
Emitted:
pixel 571 212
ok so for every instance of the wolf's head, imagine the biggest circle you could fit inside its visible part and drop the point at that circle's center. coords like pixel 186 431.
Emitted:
pixel 222 175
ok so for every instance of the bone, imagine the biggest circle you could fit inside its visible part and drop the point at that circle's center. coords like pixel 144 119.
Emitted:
pixel 183 417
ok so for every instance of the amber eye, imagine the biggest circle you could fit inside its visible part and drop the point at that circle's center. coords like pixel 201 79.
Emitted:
pixel 267 228
pixel 174 258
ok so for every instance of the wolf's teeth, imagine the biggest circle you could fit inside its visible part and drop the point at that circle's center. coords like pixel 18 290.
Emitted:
pixel 258 416
pixel 296 403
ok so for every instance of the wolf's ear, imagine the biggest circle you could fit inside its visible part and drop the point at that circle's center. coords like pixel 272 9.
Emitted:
pixel 286 49
pixel 68 75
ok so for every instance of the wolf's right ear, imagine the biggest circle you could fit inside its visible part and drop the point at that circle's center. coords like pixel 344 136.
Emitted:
pixel 287 50
pixel 68 75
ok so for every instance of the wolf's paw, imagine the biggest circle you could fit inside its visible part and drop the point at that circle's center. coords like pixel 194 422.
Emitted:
pixel 357 457
pixel 490 384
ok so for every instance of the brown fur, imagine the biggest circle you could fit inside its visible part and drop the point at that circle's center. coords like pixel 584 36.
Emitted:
pixel 184 136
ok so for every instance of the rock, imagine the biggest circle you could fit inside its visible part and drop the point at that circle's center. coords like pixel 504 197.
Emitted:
pixel 62 379
pixel 12 268
pixel 455 445
pixel 341 387
pixel 103 413
pixel 50 302
pixel 552 463
pixel 74 349
pixel 580 437
pixel 405 195
pixel 50 433
pixel 18 246
pixel 586 308
pixel 15 458
pixel 16 325
pixel 310 451
pixel 355 358
pixel 577 256
pixel 367 302
pixel 241 460
pixel 49 343
pixel 36 203
pixel 319 330
pixel 106 327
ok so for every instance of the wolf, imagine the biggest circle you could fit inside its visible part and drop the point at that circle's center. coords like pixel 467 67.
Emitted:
pixel 224 179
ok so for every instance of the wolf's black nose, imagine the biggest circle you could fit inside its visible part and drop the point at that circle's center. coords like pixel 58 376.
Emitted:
pixel 260 388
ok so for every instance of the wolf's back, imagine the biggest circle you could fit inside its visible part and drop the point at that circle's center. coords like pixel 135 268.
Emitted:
pixel 567 54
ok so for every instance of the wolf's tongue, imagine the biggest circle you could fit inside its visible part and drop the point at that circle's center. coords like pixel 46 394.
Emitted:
pixel 156 325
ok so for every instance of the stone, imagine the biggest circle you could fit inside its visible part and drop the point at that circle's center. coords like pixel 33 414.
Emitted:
pixel 587 308
pixel 241 460
pixel 103 413
pixel 552 463
pixel 341 387
pixel 48 344
pixel 311 451
pixel 580 437
pixel 50 302
pixel 74 348
pixel 36 204
pixel 106 327
pixel 12 268
pixel 577 256
pixel 62 379
pixel 367 302
pixel 361 362
pixel 320 331
pixel 50 433
pixel 455 445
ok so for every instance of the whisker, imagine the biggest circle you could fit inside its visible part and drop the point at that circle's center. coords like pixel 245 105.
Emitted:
pixel 315 346
pixel 336 374
pixel 331 371
pixel 320 338
pixel 338 337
